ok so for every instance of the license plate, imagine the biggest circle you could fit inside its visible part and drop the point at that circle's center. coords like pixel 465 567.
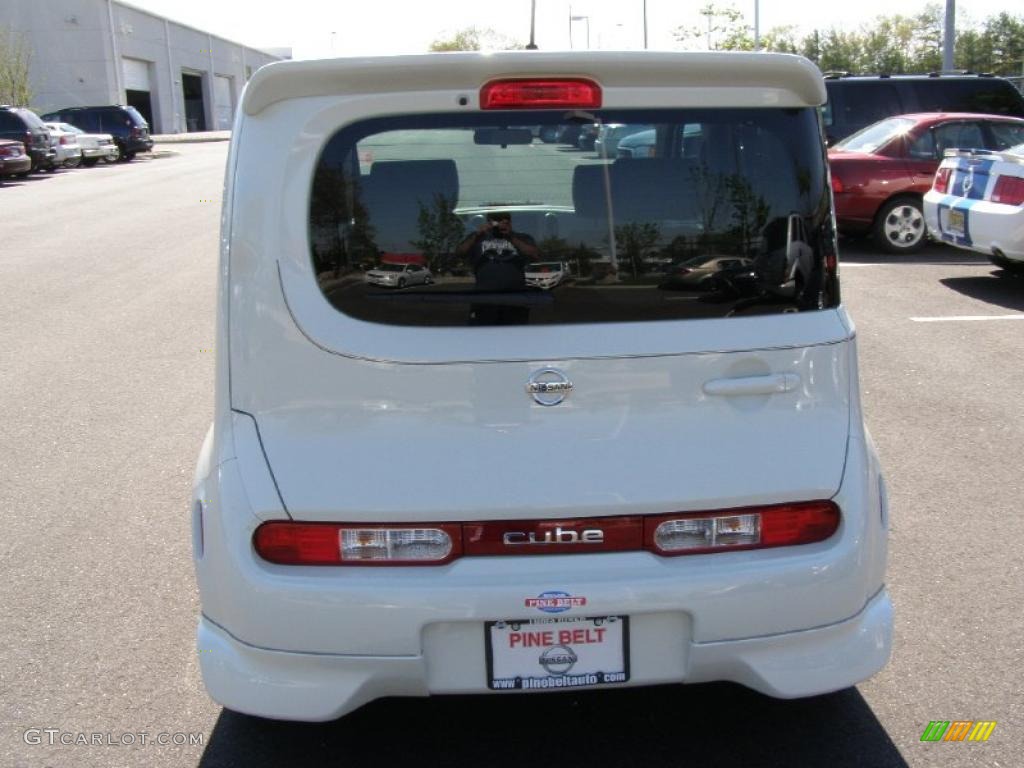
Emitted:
pixel 546 654
pixel 955 222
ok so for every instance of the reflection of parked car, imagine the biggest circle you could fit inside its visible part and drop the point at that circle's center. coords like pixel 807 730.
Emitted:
pixel 95 146
pixel 860 100
pixel 977 203
pixel 13 160
pixel 546 274
pixel 24 125
pixel 881 173
pixel 129 129
pixel 608 137
pixel 640 144
pixel 65 143
pixel 699 272
pixel 588 134
pixel 399 275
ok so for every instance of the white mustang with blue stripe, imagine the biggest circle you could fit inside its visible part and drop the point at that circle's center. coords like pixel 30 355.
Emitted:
pixel 977 202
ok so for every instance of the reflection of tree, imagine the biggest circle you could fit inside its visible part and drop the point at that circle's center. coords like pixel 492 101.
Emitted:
pixel 440 232
pixel 634 240
pixel 750 212
pixel 341 240
pixel 732 192
pixel 580 258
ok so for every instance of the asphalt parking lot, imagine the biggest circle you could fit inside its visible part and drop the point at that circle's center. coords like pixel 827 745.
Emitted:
pixel 107 325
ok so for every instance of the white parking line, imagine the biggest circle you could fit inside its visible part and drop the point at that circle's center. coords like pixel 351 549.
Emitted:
pixel 966 318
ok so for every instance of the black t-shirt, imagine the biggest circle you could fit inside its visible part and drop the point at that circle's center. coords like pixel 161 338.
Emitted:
pixel 497 263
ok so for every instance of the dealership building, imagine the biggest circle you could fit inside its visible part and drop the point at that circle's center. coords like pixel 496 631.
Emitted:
pixel 97 52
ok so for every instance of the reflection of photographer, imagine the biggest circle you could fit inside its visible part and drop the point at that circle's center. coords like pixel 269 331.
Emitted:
pixel 498 256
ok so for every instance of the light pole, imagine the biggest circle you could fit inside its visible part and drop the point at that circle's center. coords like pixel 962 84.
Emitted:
pixel 579 18
pixel 757 25
pixel 532 46
pixel 645 25
pixel 948 37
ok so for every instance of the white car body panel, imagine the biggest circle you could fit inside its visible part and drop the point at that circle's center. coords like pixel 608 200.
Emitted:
pixel 312 407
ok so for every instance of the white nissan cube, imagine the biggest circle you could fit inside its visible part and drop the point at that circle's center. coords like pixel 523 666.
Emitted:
pixel 479 485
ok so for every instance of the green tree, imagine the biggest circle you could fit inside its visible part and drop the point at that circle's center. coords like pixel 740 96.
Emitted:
pixel 441 230
pixel 635 240
pixel 475 39
pixel 15 58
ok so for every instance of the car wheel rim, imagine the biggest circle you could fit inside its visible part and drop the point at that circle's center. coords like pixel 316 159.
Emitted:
pixel 904 226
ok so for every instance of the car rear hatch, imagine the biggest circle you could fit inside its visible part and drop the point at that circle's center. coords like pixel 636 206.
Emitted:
pixel 608 395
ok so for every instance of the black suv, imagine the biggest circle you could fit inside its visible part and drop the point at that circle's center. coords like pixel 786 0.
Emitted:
pixel 129 128
pixel 24 125
pixel 855 101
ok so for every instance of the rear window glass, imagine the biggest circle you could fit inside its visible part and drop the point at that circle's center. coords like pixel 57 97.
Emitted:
pixel 31 118
pixel 855 104
pixel 484 200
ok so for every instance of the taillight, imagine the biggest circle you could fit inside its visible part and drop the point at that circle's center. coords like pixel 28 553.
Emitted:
pixel 1009 190
pixel 941 183
pixel 63 139
pixel 837 184
pixel 575 93
pixel 294 543
pixel 746 528
pixel 684 533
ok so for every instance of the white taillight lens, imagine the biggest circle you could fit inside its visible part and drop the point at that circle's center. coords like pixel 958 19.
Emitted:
pixel 778 525
pixel 404 544
pixel 708 533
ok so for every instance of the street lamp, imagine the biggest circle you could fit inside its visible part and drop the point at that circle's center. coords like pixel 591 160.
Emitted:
pixel 579 18
pixel 532 46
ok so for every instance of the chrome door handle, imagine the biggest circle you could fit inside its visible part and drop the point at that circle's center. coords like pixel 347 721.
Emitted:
pixel 771 384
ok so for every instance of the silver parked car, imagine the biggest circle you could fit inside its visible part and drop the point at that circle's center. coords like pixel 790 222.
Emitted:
pixel 399 275
pixel 94 146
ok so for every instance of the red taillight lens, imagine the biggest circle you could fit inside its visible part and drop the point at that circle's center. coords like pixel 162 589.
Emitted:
pixel 63 139
pixel 941 183
pixel 293 543
pixel 837 184
pixel 746 528
pixel 1009 190
pixel 541 94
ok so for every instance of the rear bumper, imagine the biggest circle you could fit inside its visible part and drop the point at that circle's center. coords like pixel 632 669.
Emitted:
pixel 10 166
pixel 313 643
pixel 990 228
pixel 318 687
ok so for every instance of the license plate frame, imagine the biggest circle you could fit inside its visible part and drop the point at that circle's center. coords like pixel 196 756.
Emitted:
pixel 598 659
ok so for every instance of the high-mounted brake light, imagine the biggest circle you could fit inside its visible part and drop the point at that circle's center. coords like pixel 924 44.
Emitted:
pixel 294 543
pixel 779 525
pixel 1009 190
pixel 941 183
pixel 561 93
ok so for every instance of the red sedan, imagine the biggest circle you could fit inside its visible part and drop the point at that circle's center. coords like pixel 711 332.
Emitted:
pixel 881 173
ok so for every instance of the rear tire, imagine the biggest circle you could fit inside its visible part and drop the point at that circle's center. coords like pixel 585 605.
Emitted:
pixel 401 282
pixel 89 162
pixel 899 226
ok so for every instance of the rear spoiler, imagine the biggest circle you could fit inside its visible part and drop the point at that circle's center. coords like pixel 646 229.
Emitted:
pixel 990 154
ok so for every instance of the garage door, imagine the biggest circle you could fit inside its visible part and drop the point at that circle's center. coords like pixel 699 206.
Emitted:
pixel 136 75
pixel 222 102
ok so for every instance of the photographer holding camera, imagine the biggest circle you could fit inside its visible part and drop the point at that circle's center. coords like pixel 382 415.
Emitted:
pixel 498 256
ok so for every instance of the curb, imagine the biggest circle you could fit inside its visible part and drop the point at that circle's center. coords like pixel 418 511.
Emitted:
pixel 191 138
